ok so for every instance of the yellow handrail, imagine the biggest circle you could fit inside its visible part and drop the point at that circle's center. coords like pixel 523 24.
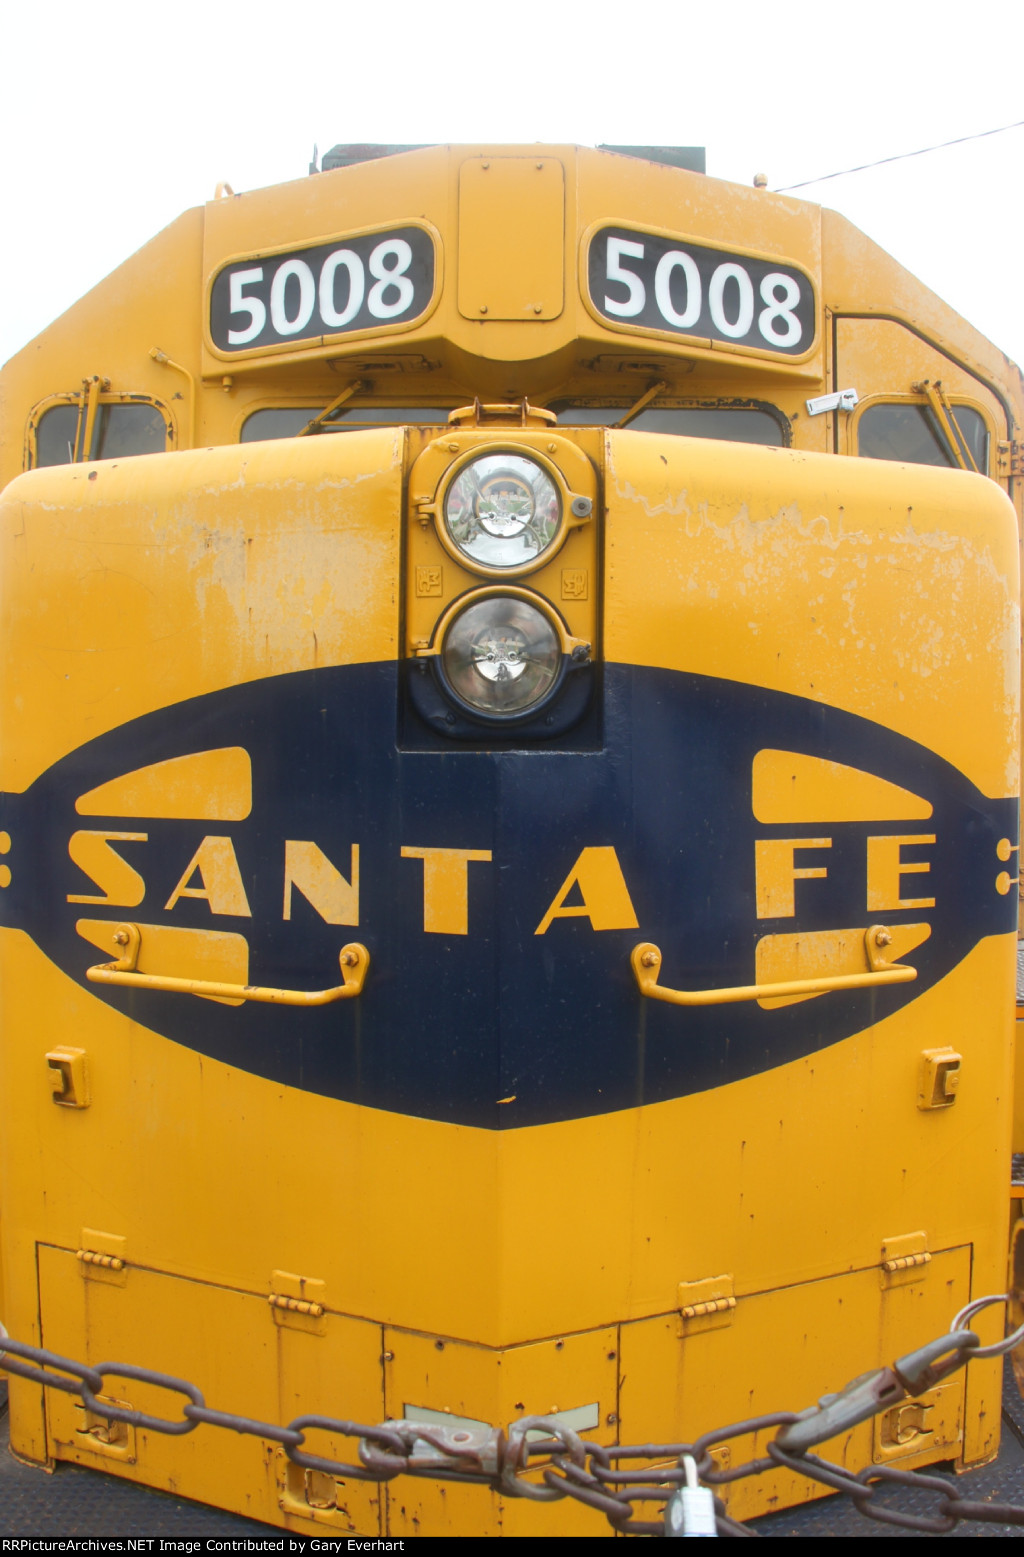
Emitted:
pixel 646 961
pixel 354 960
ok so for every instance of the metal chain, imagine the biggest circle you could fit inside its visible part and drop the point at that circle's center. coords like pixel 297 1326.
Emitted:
pixel 598 1475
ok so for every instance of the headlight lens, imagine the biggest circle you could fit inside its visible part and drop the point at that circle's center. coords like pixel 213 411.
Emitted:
pixel 501 655
pixel 502 510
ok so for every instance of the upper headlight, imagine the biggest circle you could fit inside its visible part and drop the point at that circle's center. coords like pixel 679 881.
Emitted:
pixel 502 511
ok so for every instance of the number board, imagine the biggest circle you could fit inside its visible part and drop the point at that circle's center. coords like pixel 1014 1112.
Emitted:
pixel 650 282
pixel 350 284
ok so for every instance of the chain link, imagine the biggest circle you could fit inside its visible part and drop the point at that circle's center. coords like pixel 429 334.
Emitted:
pixel 597 1475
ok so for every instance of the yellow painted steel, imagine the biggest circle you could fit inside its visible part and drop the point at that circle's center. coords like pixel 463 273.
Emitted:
pixel 790 787
pixel 785 1202
pixel 480 1273
pixel 228 591
pixel 499 279
pixel 423 1278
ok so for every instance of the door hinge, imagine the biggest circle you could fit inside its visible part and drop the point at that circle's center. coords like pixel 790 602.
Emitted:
pixel 706 1304
pixel 904 1259
pixel 1009 459
pixel 101 1257
pixel 297 1302
pixel 296 1305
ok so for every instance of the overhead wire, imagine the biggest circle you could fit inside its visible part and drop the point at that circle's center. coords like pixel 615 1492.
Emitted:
pixel 900 157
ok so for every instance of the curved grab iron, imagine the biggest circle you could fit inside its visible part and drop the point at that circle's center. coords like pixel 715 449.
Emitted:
pixel 354 960
pixel 646 961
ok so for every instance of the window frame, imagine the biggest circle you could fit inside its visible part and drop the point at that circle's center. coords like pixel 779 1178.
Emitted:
pixel 955 400
pixel 681 403
pixel 79 399
pixel 315 406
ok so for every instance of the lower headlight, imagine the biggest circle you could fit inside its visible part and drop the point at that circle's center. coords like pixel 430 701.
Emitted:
pixel 501 655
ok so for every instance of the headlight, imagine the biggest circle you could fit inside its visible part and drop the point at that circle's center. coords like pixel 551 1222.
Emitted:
pixel 502 511
pixel 501 655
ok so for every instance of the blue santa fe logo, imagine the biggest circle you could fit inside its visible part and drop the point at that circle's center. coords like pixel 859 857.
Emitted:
pixel 501 893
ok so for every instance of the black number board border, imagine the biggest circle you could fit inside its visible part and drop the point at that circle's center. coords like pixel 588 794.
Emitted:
pixel 299 344
pixel 666 239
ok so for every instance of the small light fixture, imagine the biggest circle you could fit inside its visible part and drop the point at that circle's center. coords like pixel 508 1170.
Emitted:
pixel 501 655
pixel 502 511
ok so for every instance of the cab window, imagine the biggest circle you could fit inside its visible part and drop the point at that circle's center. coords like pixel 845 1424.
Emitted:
pixel 121 427
pixel 734 424
pixel 57 436
pixel 904 431
pixel 288 421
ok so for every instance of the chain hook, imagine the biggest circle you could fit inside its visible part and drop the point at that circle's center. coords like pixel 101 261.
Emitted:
pixel 518 1451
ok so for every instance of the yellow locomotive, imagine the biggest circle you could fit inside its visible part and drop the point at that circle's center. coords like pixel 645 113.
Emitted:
pixel 510 754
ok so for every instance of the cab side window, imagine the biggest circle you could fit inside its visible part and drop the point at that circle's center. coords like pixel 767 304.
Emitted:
pixel 57 436
pixel 905 431
pixel 121 425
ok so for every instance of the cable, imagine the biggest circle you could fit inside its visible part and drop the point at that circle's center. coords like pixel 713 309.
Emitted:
pixel 901 157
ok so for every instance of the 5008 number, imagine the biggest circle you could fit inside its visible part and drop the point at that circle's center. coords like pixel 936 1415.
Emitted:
pixel 353 284
pixel 651 282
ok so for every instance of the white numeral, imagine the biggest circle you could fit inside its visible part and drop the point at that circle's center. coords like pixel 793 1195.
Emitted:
pixel 307 297
pixel 615 271
pixel 240 304
pixel 730 296
pixel 733 328
pixel 779 310
pixel 673 260
pixel 302 302
pixel 356 287
pixel 390 276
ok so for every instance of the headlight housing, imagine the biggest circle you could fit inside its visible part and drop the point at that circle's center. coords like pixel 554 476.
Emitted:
pixel 495 660
pixel 502 511
pixel 501 655
pixel 501 658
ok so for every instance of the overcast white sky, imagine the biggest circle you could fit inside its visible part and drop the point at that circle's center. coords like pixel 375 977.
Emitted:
pixel 117 116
